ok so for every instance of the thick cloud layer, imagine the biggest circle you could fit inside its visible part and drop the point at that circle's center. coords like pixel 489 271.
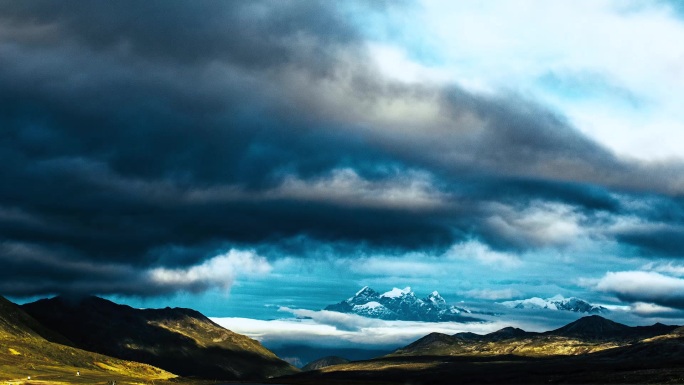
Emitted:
pixel 644 287
pixel 153 137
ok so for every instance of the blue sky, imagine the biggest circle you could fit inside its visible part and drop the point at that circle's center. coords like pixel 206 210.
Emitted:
pixel 239 158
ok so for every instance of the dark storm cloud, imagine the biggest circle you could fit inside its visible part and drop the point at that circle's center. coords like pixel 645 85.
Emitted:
pixel 256 34
pixel 662 240
pixel 143 135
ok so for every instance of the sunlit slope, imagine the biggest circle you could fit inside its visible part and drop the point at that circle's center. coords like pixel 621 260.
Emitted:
pixel 590 350
pixel 180 340
pixel 25 352
pixel 586 335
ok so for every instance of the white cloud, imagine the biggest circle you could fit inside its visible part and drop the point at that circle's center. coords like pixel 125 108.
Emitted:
pixel 540 223
pixel 649 309
pixel 493 294
pixel 644 287
pixel 473 250
pixel 219 271
pixel 667 268
pixel 340 321
pixel 625 47
pixel 370 334
pixel 393 63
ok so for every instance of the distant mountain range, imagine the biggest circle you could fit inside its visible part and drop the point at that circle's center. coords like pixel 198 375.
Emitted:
pixel 590 350
pixel 402 304
pixel 586 335
pixel 557 303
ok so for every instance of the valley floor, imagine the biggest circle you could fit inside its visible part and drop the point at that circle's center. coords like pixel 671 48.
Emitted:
pixel 496 370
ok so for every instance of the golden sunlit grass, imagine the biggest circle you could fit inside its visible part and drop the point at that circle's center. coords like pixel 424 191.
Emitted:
pixel 530 347
pixel 207 334
pixel 379 366
pixel 50 363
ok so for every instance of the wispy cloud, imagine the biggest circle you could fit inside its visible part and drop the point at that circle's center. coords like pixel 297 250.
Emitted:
pixel 669 268
pixel 493 294
pixel 478 252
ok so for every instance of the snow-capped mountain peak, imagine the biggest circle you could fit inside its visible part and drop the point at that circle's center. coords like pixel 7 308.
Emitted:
pixel 435 299
pixel 557 302
pixel 365 295
pixel 363 289
pixel 396 293
pixel 401 304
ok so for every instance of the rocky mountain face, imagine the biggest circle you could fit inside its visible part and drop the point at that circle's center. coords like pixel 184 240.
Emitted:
pixel 398 304
pixel 182 341
pixel 557 303
pixel 586 335
pixel 25 350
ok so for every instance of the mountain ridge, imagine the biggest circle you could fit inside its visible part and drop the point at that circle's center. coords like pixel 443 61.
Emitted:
pixel 402 304
pixel 25 350
pixel 179 339
pixel 585 335
pixel 624 357
pixel 557 302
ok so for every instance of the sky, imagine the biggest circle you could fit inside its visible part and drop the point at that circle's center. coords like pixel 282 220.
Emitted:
pixel 256 160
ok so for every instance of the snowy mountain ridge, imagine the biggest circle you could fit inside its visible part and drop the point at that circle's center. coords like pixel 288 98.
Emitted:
pixel 401 304
pixel 557 302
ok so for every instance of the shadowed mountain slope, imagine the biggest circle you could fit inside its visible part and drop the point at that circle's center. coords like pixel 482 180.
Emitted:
pixel 24 351
pixel 15 322
pixel 597 328
pixel 181 340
